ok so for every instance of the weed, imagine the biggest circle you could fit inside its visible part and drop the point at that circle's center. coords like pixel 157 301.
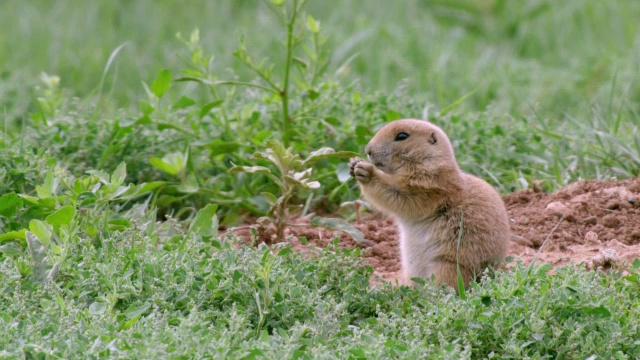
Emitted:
pixel 294 175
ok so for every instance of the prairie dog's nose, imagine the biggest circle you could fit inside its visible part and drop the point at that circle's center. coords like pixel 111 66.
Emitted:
pixel 367 150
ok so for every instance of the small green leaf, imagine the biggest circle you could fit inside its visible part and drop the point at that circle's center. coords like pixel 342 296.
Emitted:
pixel 270 197
pixel 129 323
pixel 41 230
pixel 460 280
pixel 57 250
pixel 13 235
pixel 313 94
pixel 393 115
pixel 161 83
pixel 357 352
pixel 118 224
pixel 101 175
pixel 599 310
pixel 134 311
pixel 251 169
pixel 206 109
pixel 304 65
pixel 278 2
pixel 338 224
pixel 362 131
pixel 237 275
pixel 146 107
pixel 118 176
pixel 163 125
pixel 218 147
pixel 205 222
pixel 48 189
pixel 63 216
pixel 183 102
pixel 325 153
pixel 543 269
pixel 46 304
pixel 128 123
pixel 146 187
pixel 259 137
pixel 49 203
pixel 29 199
pixel 636 263
pixel 189 185
pixel 115 192
pixel 9 204
pixel 172 163
pixel 97 308
pixel 313 25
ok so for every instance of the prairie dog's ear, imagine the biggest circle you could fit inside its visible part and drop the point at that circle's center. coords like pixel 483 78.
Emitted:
pixel 433 138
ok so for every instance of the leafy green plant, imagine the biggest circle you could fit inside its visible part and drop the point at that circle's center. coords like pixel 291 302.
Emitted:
pixel 309 66
pixel 212 298
pixel 294 175
pixel 49 223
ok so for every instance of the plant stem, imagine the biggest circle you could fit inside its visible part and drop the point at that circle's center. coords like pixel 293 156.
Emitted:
pixel 284 93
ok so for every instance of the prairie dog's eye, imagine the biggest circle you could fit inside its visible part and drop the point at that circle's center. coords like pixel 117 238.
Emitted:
pixel 401 136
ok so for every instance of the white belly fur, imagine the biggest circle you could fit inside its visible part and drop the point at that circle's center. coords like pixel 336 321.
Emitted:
pixel 416 250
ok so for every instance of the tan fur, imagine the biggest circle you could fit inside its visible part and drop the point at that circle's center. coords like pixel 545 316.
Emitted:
pixel 418 180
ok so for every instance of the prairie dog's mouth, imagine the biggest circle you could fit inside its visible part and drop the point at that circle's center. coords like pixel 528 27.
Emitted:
pixel 379 159
pixel 384 167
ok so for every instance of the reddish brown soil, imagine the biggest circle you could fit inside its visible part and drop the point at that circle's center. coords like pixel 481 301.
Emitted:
pixel 598 223
pixel 601 220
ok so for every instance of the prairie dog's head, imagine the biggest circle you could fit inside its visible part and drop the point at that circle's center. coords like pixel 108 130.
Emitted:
pixel 407 144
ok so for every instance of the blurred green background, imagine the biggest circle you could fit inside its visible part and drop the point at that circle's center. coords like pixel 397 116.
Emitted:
pixel 518 57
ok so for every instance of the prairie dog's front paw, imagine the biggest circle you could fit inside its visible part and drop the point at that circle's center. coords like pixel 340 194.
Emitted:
pixel 352 165
pixel 361 170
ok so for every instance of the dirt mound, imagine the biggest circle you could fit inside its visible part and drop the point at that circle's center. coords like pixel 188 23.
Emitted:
pixel 594 219
pixel 596 222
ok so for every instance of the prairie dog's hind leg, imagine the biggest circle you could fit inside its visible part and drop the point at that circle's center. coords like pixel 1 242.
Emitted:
pixel 447 273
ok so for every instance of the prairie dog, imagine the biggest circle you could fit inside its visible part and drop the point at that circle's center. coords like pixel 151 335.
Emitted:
pixel 414 176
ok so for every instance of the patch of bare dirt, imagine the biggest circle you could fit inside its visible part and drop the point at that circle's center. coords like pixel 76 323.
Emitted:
pixel 598 223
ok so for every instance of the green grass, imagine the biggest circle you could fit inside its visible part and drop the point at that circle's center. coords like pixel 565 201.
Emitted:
pixel 527 91
pixel 138 295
